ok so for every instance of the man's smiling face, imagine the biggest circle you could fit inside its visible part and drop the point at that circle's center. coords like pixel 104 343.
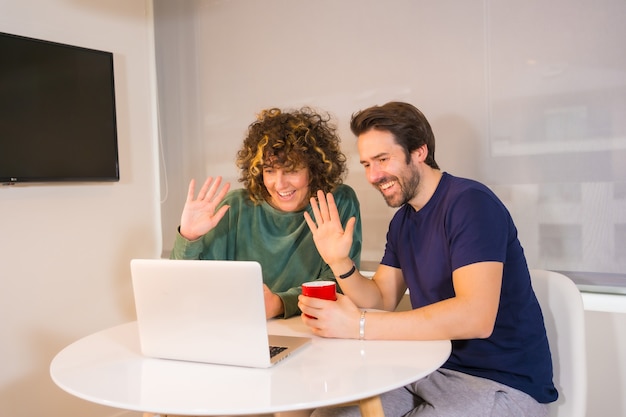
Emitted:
pixel 386 167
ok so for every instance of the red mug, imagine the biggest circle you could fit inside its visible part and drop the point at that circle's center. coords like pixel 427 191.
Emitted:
pixel 325 290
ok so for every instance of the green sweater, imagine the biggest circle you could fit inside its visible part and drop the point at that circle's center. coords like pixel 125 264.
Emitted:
pixel 281 242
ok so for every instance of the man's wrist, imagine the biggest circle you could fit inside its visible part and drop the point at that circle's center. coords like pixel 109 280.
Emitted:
pixel 345 270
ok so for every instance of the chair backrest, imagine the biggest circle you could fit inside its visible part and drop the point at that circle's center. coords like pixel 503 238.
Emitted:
pixel 563 312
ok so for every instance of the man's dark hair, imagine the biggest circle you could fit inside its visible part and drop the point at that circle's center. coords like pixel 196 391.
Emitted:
pixel 407 124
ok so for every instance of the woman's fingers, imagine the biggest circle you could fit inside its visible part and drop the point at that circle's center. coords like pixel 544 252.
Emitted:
pixel 202 194
pixel 210 190
pixel 213 188
pixel 191 191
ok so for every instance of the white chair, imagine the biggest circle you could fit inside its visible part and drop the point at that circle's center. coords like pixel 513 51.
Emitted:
pixel 564 318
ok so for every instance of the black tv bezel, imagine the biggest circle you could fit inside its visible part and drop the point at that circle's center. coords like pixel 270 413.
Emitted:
pixel 115 174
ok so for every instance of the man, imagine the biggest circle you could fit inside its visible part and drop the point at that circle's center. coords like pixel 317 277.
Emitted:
pixel 453 244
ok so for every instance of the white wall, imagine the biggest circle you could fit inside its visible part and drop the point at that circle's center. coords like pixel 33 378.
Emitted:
pixel 65 249
pixel 605 320
pixel 527 97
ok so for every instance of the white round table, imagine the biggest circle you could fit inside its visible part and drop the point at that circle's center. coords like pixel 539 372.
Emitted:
pixel 108 368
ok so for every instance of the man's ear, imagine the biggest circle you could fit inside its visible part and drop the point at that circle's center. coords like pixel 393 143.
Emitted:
pixel 420 154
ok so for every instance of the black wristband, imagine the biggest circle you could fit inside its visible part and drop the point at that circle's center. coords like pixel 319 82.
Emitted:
pixel 350 272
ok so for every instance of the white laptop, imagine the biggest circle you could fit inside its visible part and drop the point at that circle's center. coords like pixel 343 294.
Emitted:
pixel 205 311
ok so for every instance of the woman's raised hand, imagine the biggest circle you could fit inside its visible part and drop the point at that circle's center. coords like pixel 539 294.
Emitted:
pixel 199 213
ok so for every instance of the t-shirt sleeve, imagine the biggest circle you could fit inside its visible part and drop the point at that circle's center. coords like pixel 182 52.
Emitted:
pixel 477 230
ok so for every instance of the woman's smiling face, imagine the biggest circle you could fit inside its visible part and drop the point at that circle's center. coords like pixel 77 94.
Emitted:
pixel 288 190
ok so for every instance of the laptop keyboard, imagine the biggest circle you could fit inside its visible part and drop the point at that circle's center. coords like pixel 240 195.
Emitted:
pixel 275 350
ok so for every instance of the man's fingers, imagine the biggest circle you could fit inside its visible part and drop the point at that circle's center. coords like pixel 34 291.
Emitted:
pixel 333 213
pixel 321 200
pixel 316 211
pixel 350 226
pixel 310 222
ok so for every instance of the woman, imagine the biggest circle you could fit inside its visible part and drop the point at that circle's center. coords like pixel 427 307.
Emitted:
pixel 285 158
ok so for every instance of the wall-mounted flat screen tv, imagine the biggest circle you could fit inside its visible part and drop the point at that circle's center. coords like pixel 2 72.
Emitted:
pixel 57 112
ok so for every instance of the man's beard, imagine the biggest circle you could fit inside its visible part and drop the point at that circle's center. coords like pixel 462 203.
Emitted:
pixel 408 188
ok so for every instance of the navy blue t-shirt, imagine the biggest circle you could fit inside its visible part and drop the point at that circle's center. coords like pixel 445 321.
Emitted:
pixel 463 223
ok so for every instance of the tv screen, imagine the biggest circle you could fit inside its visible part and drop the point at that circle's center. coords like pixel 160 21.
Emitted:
pixel 57 112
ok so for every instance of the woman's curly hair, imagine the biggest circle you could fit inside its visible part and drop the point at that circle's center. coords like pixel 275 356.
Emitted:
pixel 291 140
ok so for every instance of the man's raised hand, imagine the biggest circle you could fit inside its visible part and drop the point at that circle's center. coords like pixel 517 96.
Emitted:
pixel 332 241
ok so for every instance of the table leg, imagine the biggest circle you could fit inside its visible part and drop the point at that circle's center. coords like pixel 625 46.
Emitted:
pixel 371 407
pixel 171 415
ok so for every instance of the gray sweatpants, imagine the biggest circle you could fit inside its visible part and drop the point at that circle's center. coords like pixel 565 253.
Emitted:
pixel 446 393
